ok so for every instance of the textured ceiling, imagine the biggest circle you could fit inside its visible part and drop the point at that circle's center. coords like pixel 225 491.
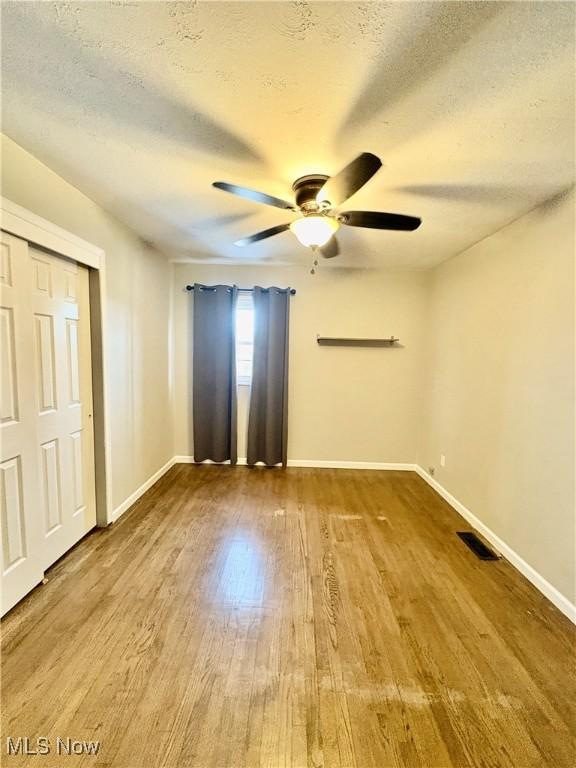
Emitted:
pixel 142 105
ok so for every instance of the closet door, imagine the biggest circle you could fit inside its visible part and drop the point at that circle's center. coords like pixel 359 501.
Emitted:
pixel 65 439
pixel 20 501
pixel 47 489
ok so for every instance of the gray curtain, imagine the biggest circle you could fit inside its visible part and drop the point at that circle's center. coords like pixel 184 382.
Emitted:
pixel 214 373
pixel 268 415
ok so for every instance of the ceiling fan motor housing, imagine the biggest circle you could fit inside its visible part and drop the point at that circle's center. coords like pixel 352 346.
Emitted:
pixel 305 190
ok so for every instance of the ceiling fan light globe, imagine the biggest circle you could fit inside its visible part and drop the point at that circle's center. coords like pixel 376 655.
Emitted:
pixel 314 231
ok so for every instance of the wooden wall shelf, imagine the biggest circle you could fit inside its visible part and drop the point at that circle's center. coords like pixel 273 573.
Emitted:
pixel 338 341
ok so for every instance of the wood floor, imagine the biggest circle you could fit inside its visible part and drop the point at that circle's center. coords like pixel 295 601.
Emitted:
pixel 243 617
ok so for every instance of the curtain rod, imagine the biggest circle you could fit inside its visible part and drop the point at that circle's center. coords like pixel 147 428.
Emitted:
pixel 244 290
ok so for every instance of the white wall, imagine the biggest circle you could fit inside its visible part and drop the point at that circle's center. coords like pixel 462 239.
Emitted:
pixel 500 386
pixel 138 295
pixel 345 404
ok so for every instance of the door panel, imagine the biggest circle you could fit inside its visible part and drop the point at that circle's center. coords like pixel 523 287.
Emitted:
pixel 47 494
pixel 20 530
pixel 73 362
pixel 51 486
pixel 61 307
pixel 46 370
pixel 14 542
pixel 9 404
pixel 77 471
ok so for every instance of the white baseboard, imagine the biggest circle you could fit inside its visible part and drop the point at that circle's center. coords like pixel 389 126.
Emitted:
pixel 319 463
pixel 133 498
pixel 557 598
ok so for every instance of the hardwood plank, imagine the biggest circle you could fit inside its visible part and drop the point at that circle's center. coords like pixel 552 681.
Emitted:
pixel 287 618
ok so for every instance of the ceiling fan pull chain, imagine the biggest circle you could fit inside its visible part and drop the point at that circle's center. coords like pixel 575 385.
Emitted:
pixel 314 249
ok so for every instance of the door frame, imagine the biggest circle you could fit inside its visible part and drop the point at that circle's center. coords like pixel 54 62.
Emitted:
pixel 20 222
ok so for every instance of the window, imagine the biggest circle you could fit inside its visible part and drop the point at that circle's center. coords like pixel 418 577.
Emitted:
pixel 244 338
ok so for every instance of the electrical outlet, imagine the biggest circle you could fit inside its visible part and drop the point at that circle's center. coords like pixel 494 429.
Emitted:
pixel 442 460
pixel 431 471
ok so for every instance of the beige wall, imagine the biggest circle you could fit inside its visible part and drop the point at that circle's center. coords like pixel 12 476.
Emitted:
pixel 345 404
pixel 138 296
pixel 485 374
pixel 500 386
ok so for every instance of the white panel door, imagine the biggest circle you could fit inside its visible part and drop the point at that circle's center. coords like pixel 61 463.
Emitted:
pixel 47 490
pixel 60 305
pixel 21 534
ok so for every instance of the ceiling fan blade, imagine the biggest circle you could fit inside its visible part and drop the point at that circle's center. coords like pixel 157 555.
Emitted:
pixel 342 186
pixel 252 194
pixel 331 248
pixel 377 220
pixel 262 235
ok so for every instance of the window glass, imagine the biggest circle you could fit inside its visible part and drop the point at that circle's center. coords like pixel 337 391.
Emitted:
pixel 244 338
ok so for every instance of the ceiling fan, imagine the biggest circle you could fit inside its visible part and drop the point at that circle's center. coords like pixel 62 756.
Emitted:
pixel 317 198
